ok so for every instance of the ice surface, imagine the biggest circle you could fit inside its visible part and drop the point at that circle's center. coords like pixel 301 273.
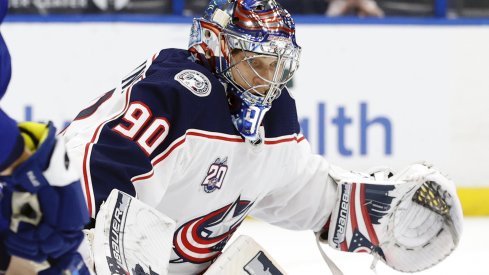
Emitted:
pixel 297 253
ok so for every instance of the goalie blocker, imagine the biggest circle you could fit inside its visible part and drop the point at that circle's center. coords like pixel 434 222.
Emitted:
pixel 411 221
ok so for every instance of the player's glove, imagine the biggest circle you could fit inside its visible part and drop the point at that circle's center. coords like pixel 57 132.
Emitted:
pixel 70 263
pixel 46 205
pixel 411 220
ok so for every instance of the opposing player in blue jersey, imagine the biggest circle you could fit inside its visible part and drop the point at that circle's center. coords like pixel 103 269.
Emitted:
pixel 210 135
pixel 42 209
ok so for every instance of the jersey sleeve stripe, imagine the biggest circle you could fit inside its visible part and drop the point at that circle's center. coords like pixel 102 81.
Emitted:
pixel 197 133
pixel 168 151
pixel 214 136
pixel 143 176
pixel 87 177
pixel 207 135
pixel 87 187
pixel 296 138
pixel 179 141
pixel 86 158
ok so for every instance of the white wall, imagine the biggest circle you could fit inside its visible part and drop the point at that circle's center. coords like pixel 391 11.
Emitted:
pixel 429 83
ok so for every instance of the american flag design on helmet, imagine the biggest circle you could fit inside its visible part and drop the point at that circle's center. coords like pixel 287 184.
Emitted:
pixel 259 29
pixel 263 17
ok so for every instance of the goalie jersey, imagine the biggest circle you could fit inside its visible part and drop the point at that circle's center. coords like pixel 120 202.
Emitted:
pixel 165 135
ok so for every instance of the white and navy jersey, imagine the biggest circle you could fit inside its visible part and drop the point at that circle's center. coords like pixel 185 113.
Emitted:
pixel 166 136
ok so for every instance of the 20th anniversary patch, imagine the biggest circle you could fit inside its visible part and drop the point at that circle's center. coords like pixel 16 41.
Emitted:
pixel 195 82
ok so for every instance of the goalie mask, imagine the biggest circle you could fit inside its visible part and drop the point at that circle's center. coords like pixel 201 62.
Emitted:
pixel 250 45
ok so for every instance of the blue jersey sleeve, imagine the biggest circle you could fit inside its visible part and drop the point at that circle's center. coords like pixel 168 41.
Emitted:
pixel 159 108
pixel 5 68
pixel 11 142
pixel 125 145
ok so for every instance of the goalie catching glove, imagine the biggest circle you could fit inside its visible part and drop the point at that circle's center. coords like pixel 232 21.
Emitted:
pixel 411 221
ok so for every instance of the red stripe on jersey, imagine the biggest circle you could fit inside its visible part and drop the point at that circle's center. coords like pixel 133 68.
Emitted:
pixel 270 142
pixel 143 177
pixel 86 162
pixel 189 133
pixel 85 180
pixel 353 212
pixel 176 145
pixel 231 139
pixel 158 160
pixel 88 146
pixel 280 140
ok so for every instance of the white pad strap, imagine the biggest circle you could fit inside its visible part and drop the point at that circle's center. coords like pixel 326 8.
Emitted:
pixel 332 266
pixel 131 237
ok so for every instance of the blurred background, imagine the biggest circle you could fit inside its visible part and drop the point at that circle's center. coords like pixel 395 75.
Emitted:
pixel 418 8
pixel 382 82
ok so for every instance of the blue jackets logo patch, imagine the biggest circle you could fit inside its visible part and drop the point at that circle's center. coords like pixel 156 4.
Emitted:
pixel 215 175
pixel 201 240
pixel 194 81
